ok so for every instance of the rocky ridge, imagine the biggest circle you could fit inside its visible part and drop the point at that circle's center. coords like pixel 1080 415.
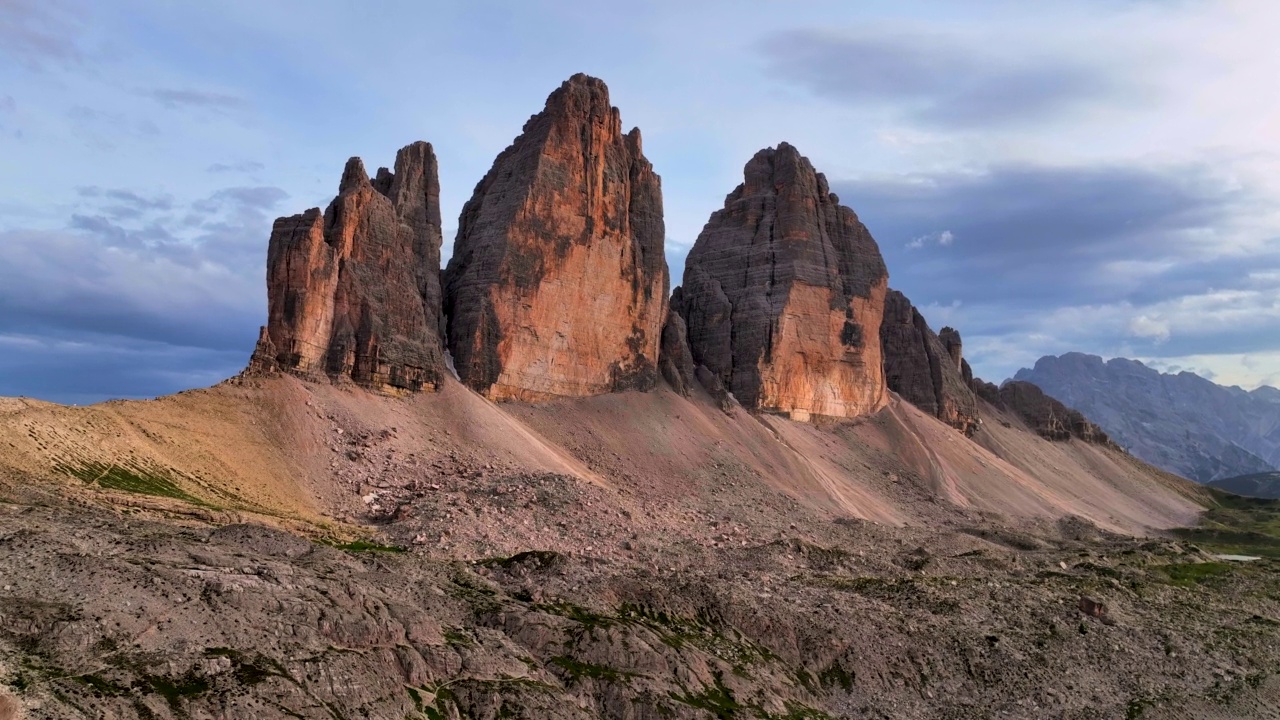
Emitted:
pixel 558 283
pixel 1043 414
pixel 354 293
pixel 784 292
pixel 925 368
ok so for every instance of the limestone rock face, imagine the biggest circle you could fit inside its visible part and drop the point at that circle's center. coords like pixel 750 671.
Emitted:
pixel 924 368
pixel 354 293
pixel 1048 417
pixel 784 292
pixel 558 283
pixel 675 361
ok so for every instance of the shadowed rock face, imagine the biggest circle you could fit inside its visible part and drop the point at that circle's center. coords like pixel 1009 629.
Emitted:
pixel 924 368
pixel 675 362
pixel 1045 415
pixel 784 292
pixel 558 283
pixel 354 293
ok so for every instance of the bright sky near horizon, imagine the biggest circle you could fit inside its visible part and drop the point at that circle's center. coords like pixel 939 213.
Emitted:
pixel 1091 175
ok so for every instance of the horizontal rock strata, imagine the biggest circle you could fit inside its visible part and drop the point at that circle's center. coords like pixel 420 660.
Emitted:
pixel 558 284
pixel 784 292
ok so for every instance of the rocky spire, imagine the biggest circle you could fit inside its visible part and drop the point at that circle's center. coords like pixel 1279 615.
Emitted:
pixel 558 283
pixel 354 293
pixel 784 292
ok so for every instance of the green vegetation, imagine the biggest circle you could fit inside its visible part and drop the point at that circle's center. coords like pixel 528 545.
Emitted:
pixel 101 686
pixel 362 545
pixel 250 671
pixel 1237 525
pixel 458 638
pixel 578 670
pixel 175 689
pixel 716 699
pixel 129 479
pixel 1188 574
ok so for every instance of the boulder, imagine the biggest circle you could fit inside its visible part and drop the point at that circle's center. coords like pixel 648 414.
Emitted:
pixel 558 283
pixel 353 293
pixel 784 292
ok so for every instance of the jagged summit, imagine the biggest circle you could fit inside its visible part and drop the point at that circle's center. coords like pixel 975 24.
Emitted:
pixel 784 294
pixel 354 293
pixel 558 283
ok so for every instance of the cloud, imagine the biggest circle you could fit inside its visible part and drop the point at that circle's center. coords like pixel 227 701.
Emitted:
pixel 87 368
pixel 1116 260
pixel 141 295
pixel 256 198
pixel 8 105
pixel 1045 234
pixel 199 99
pixel 246 166
pixel 40 33
pixel 938 80
pixel 101 129
pixel 1144 326
pixel 125 204
pixel 944 238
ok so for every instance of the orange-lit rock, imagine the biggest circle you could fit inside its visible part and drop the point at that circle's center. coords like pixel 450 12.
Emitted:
pixel 354 293
pixel 783 295
pixel 558 285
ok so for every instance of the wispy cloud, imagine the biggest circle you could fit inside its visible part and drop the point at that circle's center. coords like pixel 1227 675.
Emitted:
pixel 174 98
pixel 40 33
pixel 246 166
pixel 936 79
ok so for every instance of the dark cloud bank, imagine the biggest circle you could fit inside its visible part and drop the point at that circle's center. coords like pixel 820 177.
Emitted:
pixel 140 295
pixel 1027 241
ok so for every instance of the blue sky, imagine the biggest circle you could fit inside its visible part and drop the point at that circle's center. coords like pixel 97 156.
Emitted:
pixel 1100 176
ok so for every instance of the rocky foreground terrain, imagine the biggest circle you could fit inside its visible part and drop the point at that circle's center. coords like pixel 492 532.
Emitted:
pixel 538 486
pixel 321 552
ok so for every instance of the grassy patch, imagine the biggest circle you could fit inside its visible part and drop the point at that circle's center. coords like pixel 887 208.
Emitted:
pixel 1188 574
pixel 715 699
pixel 458 638
pixel 130 479
pixel 577 670
pixel 173 690
pixel 362 545
pixel 1237 525
pixel 673 630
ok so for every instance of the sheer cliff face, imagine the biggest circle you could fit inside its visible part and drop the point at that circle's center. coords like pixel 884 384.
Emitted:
pixel 354 293
pixel 558 283
pixel 784 292
pixel 926 369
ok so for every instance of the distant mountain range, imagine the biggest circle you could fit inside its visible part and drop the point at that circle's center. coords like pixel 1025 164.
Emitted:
pixel 1180 422
pixel 1262 485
